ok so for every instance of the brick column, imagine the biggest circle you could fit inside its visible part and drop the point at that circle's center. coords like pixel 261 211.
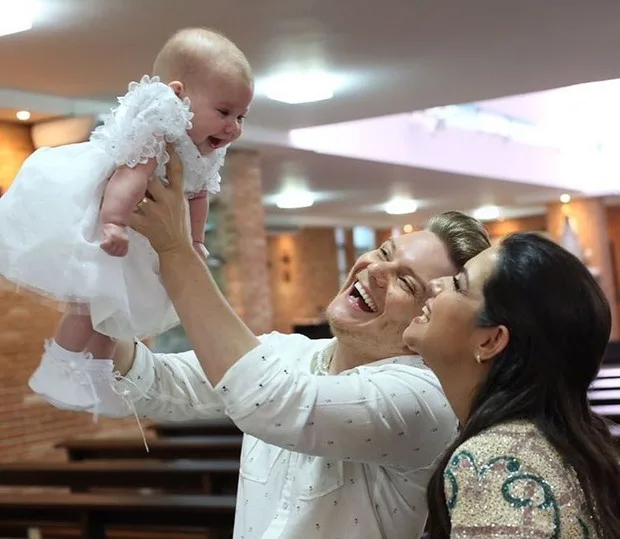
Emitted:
pixel 242 242
pixel 588 218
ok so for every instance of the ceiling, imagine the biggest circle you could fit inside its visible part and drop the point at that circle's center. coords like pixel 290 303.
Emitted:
pixel 393 56
pixel 362 188
pixel 8 115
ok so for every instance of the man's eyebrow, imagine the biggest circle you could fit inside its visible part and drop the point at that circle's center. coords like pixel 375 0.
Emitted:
pixel 392 244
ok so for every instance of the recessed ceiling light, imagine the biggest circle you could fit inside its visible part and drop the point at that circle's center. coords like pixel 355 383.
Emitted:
pixel 296 88
pixel 401 206
pixel 23 115
pixel 486 213
pixel 294 199
pixel 15 16
pixel 565 198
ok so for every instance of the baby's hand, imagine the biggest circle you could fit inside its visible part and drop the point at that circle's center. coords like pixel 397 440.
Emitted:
pixel 115 240
pixel 201 249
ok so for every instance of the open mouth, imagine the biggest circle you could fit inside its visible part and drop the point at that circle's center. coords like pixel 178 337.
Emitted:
pixel 362 298
pixel 215 142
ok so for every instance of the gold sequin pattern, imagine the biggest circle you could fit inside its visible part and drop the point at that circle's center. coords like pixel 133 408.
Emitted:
pixel 510 482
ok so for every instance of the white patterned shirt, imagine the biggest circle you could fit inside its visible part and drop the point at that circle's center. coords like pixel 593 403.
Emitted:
pixel 325 457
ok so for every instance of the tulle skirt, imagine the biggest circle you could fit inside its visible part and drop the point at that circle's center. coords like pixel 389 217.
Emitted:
pixel 49 244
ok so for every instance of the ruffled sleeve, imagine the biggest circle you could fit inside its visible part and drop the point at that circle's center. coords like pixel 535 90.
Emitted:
pixel 148 115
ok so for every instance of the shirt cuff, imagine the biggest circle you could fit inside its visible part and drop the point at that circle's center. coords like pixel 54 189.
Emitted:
pixel 141 376
pixel 246 386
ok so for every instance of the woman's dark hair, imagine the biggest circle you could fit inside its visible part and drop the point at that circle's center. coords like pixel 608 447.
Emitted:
pixel 559 323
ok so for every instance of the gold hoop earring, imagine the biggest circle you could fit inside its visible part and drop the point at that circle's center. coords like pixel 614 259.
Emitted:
pixel 478 358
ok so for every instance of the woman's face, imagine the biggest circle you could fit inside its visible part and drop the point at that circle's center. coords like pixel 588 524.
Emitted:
pixel 446 334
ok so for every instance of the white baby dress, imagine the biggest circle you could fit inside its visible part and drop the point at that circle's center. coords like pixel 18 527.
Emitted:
pixel 50 233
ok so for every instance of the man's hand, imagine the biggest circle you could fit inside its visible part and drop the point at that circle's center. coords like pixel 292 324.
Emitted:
pixel 163 218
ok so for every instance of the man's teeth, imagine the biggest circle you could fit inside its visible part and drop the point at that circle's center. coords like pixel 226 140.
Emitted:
pixel 367 299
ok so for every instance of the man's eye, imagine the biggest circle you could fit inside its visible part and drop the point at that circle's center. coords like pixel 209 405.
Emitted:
pixel 408 286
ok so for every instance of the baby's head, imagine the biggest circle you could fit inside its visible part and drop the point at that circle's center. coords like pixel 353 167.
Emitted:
pixel 211 70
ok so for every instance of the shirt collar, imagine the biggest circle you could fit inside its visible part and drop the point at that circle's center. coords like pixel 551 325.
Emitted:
pixel 321 357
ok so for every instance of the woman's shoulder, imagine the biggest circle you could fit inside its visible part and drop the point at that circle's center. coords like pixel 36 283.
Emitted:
pixel 516 438
pixel 507 452
pixel 511 476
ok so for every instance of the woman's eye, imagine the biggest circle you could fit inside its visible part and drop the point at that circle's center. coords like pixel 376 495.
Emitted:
pixel 456 284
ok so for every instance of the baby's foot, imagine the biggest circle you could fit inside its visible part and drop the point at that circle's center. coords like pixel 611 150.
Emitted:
pixel 115 240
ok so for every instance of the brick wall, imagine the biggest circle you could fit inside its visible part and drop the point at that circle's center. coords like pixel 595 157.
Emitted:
pixel 535 223
pixel 29 427
pixel 303 272
pixel 613 229
pixel 242 242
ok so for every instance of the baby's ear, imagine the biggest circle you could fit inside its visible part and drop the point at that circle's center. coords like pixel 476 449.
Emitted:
pixel 177 88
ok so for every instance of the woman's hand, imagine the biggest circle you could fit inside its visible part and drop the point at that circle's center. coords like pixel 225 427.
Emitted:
pixel 163 218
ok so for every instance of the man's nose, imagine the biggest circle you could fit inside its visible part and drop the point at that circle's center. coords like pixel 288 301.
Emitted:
pixel 378 273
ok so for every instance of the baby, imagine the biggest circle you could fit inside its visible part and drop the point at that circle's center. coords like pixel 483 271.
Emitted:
pixel 64 221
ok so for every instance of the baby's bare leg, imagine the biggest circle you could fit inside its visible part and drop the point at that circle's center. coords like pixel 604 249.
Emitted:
pixel 62 377
pixel 68 377
pixel 198 214
pixel 101 346
pixel 125 189
pixel 74 332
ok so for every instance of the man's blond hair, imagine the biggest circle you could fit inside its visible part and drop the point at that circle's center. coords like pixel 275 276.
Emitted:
pixel 463 236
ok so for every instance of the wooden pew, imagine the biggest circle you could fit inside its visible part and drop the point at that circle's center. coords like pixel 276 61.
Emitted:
pixel 94 514
pixel 199 448
pixel 199 476
pixel 604 393
pixel 207 427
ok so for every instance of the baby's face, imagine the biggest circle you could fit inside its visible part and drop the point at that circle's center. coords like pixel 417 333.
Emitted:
pixel 219 110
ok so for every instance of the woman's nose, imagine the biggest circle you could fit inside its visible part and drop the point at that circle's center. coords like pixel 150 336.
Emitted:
pixel 436 286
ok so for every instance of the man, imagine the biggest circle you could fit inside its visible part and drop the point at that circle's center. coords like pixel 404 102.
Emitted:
pixel 340 435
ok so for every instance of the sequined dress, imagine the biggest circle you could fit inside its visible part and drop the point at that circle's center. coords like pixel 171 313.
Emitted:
pixel 509 481
pixel 49 218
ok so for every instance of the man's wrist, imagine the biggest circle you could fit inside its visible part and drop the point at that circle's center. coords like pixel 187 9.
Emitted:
pixel 181 250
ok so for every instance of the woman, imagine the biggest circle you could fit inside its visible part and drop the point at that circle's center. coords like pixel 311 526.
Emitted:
pixel 515 340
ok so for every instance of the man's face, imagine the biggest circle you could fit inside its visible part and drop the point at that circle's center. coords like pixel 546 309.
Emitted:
pixel 384 291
